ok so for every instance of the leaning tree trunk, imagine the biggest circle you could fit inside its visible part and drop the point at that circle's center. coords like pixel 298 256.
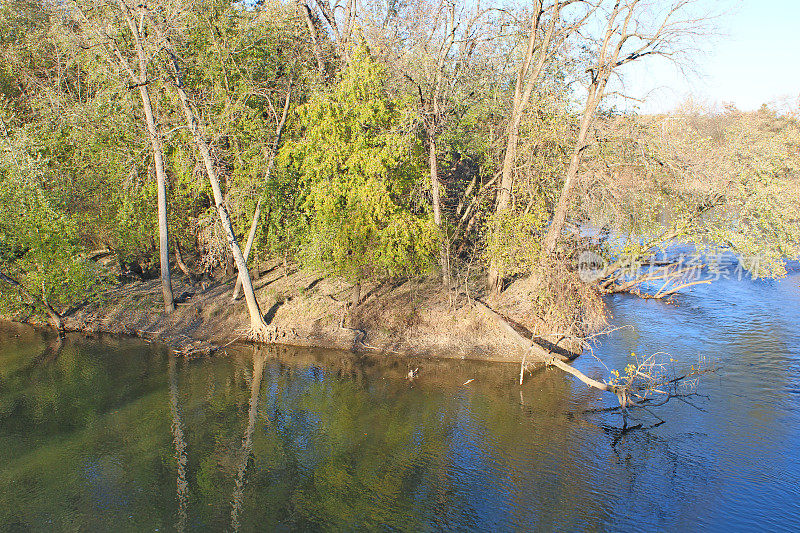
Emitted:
pixel 571 178
pixel 256 318
pixel 257 214
pixel 527 76
pixel 248 247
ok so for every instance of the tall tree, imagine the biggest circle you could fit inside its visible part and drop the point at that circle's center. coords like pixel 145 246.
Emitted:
pixel 445 37
pixel 257 323
pixel 98 24
pixel 631 30
pixel 270 163
pixel 546 31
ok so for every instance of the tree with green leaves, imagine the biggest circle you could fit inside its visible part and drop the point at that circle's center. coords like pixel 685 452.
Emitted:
pixel 360 165
pixel 43 266
pixel 110 29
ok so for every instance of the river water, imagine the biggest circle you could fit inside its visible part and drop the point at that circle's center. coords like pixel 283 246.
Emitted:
pixel 112 434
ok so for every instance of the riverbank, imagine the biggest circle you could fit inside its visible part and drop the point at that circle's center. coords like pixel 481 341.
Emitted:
pixel 413 317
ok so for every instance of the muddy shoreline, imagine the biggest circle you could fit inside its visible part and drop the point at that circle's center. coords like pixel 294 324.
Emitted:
pixel 409 318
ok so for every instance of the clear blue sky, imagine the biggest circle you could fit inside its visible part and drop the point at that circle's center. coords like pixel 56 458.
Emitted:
pixel 754 60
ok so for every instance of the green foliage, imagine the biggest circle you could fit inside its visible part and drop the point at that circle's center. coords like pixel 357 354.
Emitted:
pixel 39 249
pixel 350 191
pixel 360 166
pixel 243 62
pixel 513 240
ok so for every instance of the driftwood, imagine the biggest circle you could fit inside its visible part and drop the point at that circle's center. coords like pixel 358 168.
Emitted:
pixel 543 355
pixel 532 348
pixel 675 278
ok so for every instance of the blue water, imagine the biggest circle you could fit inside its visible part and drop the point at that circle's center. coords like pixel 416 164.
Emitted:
pixel 732 462
pixel 112 434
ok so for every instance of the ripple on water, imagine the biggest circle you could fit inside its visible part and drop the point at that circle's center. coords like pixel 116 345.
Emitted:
pixel 340 445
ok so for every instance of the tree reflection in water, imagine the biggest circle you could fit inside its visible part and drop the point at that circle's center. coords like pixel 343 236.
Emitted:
pixel 259 358
pixel 180 445
pixel 113 434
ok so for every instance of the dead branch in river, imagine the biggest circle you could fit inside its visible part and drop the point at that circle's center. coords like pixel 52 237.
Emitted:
pixel 674 279
pixel 636 387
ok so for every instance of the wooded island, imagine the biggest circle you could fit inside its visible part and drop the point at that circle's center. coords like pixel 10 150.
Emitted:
pixel 377 171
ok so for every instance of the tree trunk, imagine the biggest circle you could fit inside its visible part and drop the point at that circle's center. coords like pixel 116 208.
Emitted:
pixel 256 318
pixel 507 177
pixel 355 298
pixel 182 265
pixel 504 197
pixel 312 30
pixel 53 316
pixel 527 76
pixel 161 184
pixel 560 214
pixel 270 162
pixel 247 247
pixel 158 153
pixel 436 200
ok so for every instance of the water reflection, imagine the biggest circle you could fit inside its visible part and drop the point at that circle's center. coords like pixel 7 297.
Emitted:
pixel 259 358
pixel 180 445
pixel 113 434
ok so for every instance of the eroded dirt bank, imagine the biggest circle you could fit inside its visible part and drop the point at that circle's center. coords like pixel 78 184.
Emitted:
pixel 407 317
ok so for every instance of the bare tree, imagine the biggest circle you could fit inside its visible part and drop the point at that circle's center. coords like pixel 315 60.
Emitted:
pixel 633 29
pixel 114 51
pixel 341 30
pixel 446 38
pixel 546 31
pixel 308 16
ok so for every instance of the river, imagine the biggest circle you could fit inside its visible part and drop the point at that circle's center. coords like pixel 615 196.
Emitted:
pixel 113 434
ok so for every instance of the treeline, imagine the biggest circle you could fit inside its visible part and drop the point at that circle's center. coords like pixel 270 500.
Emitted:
pixel 372 140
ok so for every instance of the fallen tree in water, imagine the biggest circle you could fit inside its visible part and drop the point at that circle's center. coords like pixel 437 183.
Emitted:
pixel 637 386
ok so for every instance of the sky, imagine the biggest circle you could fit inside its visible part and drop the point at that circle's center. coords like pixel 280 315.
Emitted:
pixel 755 59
